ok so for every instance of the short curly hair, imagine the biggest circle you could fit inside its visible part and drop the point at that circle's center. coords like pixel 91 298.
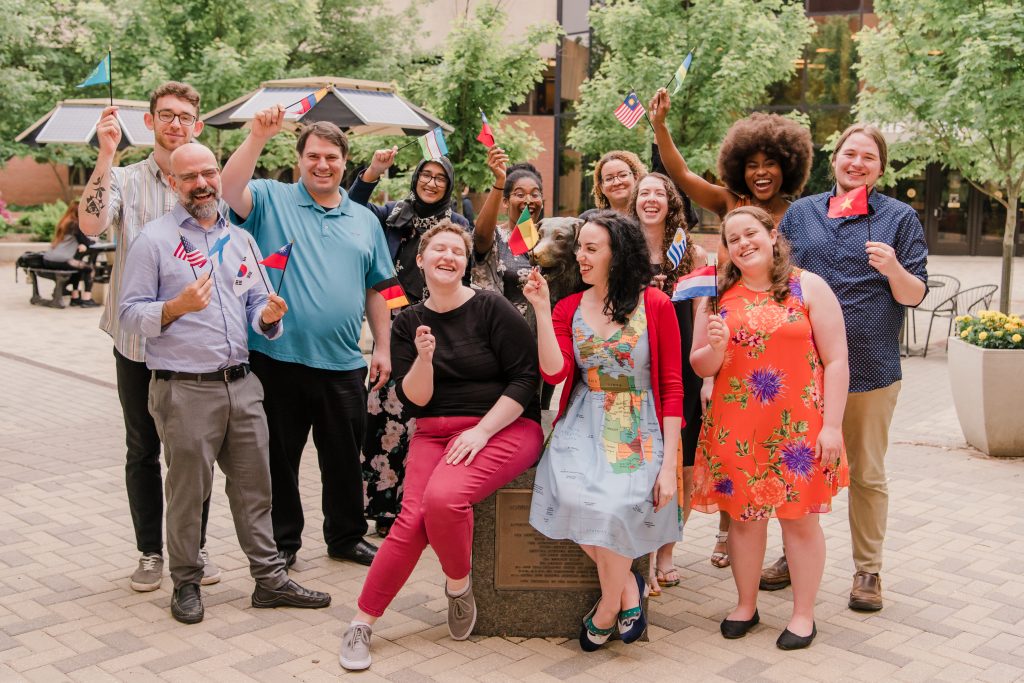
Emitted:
pixel 628 158
pixel 779 138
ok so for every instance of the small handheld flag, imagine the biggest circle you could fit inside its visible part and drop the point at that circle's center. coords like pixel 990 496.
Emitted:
pixel 99 76
pixel 391 290
pixel 681 72
pixel 677 249
pixel 186 251
pixel 218 248
pixel 524 235
pixel 279 259
pixel 245 278
pixel 699 282
pixel 309 101
pixel 853 203
pixel 432 145
pixel 630 111
pixel 486 135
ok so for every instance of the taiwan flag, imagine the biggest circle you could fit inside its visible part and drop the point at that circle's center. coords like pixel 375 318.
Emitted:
pixel 486 135
pixel 245 278
pixel 279 259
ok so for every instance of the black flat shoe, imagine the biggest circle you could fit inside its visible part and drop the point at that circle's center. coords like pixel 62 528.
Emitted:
pixel 187 604
pixel 790 641
pixel 290 594
pixel 737 629
pixel 360 553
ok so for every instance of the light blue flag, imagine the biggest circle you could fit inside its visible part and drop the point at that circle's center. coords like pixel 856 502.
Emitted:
pixel 218 248
pixel 677 249
pixel 100 75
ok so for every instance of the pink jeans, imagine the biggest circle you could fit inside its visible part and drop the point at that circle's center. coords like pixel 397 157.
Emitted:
pixel 437 506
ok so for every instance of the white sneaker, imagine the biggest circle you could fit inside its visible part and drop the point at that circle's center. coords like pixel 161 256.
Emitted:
pixel 355 648
pixel 211 572
pixel 149 573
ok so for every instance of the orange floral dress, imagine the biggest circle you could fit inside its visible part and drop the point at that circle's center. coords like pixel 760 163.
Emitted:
pixel 755 456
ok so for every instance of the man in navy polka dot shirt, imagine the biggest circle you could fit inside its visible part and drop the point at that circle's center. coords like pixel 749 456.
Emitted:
pixel 874 276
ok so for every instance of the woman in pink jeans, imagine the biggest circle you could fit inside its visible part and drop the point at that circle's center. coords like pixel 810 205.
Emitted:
pixel 461 365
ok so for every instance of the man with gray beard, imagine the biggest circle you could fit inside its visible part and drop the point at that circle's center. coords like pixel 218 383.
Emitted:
pixel 189 289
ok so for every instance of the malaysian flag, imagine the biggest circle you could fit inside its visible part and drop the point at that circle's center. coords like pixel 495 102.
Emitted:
pixel 186 251
pixel 630 111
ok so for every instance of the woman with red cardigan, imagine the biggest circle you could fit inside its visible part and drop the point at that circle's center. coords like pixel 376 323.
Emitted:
pixel 607 479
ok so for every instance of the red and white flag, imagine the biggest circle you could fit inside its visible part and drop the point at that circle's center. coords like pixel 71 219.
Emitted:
pixel 187 252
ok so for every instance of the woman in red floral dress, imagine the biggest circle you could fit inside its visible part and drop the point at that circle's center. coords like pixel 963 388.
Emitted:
pixel 771 443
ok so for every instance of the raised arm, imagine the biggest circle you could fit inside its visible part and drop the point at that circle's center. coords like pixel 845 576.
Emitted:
pixel 240 167
pixel 829 332
pixel 712 197
pixel 94 211
pixel 487 221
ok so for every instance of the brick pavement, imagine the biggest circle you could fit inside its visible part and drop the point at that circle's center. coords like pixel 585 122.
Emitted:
pixel 955 599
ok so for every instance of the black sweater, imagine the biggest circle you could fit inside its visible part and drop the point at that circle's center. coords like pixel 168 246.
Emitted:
pixel 484 350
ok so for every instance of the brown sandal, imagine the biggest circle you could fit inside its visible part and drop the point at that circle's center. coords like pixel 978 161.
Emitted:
pixel 663 577
pixel 718 558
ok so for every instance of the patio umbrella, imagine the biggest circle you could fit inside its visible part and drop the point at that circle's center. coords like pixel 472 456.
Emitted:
pixel 74 122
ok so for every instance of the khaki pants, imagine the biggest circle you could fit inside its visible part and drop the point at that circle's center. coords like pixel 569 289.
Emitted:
pixel 866 433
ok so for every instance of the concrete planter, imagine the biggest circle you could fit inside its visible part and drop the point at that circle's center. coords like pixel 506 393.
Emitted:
pixel 986 385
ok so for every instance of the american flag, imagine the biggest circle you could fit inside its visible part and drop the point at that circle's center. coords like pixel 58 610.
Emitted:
pixel 630 111
pixel 186 251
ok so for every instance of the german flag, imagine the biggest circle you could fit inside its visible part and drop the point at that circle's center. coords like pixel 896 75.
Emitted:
pixel 392 292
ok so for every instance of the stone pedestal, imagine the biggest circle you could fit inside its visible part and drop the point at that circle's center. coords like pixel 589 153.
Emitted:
pixel 525 583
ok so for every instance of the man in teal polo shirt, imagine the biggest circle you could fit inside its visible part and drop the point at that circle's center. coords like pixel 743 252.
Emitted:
pixel 315 379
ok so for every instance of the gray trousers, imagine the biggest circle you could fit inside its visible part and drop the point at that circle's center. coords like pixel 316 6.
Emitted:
pixel 202 423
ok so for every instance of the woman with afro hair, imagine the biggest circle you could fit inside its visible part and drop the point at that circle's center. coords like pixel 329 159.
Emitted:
pixel 764 159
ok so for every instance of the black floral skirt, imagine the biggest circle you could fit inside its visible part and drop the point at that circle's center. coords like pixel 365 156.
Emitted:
pixel 385 449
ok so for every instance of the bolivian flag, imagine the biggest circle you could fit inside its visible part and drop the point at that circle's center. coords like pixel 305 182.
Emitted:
pixel 392 292
pixel 524 236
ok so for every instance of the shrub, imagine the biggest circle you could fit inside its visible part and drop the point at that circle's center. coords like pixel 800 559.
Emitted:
pixel 991 330
pixel 41 220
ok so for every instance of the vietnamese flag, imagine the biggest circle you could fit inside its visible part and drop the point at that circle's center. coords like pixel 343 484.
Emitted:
pixel 853 203
pixel 392 292
pixel 524 236
pixel 486 135
pixel 279 259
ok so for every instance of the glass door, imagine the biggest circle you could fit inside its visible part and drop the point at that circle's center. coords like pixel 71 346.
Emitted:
pixel 947 227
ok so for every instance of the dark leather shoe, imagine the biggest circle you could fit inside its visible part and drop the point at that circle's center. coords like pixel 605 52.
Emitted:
pixel 187 604
pixel 288 557
pixel 361 553
pixel 790 641
pixel 866 595
pixel 736 628
pixel 775 576
pixel 290 594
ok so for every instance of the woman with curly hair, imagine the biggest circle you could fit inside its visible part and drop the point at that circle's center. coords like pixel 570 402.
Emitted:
pixel 771 444
pixel 660 210
pixel 615 176
pixel 607 480
pixel 763 160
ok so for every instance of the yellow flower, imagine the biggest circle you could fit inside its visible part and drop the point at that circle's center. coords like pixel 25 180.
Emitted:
pixel 1016 338
pixel 969 329
pixel 999 334
pixel 1010 326
pixel 983 336
pixel 963 335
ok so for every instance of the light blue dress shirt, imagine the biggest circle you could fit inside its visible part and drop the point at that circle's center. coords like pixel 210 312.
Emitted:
pixel 214 338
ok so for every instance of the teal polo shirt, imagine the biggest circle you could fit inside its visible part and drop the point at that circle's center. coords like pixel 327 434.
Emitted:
pixel 338 254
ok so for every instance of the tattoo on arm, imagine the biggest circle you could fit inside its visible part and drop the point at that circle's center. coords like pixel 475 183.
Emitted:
pixel 94 202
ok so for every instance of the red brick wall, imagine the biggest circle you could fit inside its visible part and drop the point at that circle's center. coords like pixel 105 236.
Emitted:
pixel 25 182
pixel 544 128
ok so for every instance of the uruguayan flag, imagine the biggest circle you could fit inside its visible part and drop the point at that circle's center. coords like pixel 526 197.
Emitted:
pixel 678 248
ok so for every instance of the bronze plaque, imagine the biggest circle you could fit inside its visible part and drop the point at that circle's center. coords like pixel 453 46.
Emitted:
pixel 525 559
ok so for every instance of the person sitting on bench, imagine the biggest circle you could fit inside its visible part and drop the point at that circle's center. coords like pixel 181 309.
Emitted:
pixel 68 243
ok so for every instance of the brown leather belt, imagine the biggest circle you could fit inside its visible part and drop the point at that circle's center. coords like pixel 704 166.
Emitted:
pixel 226 375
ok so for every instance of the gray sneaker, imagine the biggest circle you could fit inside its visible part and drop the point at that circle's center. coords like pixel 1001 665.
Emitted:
pixel 461 613
pixel 211 572
pixel 355 648
pixel 149 573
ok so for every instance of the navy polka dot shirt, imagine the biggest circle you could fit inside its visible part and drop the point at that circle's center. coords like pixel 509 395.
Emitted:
pixel 834 249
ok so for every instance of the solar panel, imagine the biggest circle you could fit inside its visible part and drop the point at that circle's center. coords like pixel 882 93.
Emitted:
pixel 268 97
pixel 134 123
pixel 382 108
pixel 70 124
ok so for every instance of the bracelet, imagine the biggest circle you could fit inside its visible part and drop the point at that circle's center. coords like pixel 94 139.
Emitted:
pixel 495 187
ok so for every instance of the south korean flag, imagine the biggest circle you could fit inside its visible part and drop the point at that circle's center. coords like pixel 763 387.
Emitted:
pixel 246 276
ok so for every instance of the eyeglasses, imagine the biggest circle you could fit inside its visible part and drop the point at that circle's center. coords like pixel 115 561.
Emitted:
pixel 438 180
pixel 621 177
pixel 166 115
pixel 208 174
pixel 522 196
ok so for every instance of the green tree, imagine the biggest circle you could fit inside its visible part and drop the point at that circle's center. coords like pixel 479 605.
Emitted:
pixel 949 76
pixel 742 47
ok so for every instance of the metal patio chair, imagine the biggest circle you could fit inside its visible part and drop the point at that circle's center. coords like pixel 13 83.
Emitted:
pixel 962 303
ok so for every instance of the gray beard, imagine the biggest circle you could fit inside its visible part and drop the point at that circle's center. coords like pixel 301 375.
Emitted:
pixel 202 212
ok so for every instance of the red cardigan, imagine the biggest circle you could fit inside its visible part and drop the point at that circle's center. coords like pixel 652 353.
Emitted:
pixel 663 338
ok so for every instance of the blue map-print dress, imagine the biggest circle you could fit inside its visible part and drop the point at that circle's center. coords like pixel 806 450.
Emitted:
pixel 595 480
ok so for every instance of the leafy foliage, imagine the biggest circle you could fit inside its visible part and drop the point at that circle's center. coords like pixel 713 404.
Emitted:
pixel 643 42
pixel 947 77
pixel 991 330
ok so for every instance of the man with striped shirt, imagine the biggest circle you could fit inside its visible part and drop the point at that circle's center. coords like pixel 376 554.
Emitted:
pixel 123 200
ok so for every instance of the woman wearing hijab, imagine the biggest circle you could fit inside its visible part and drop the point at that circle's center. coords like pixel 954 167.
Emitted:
pixel 388 429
